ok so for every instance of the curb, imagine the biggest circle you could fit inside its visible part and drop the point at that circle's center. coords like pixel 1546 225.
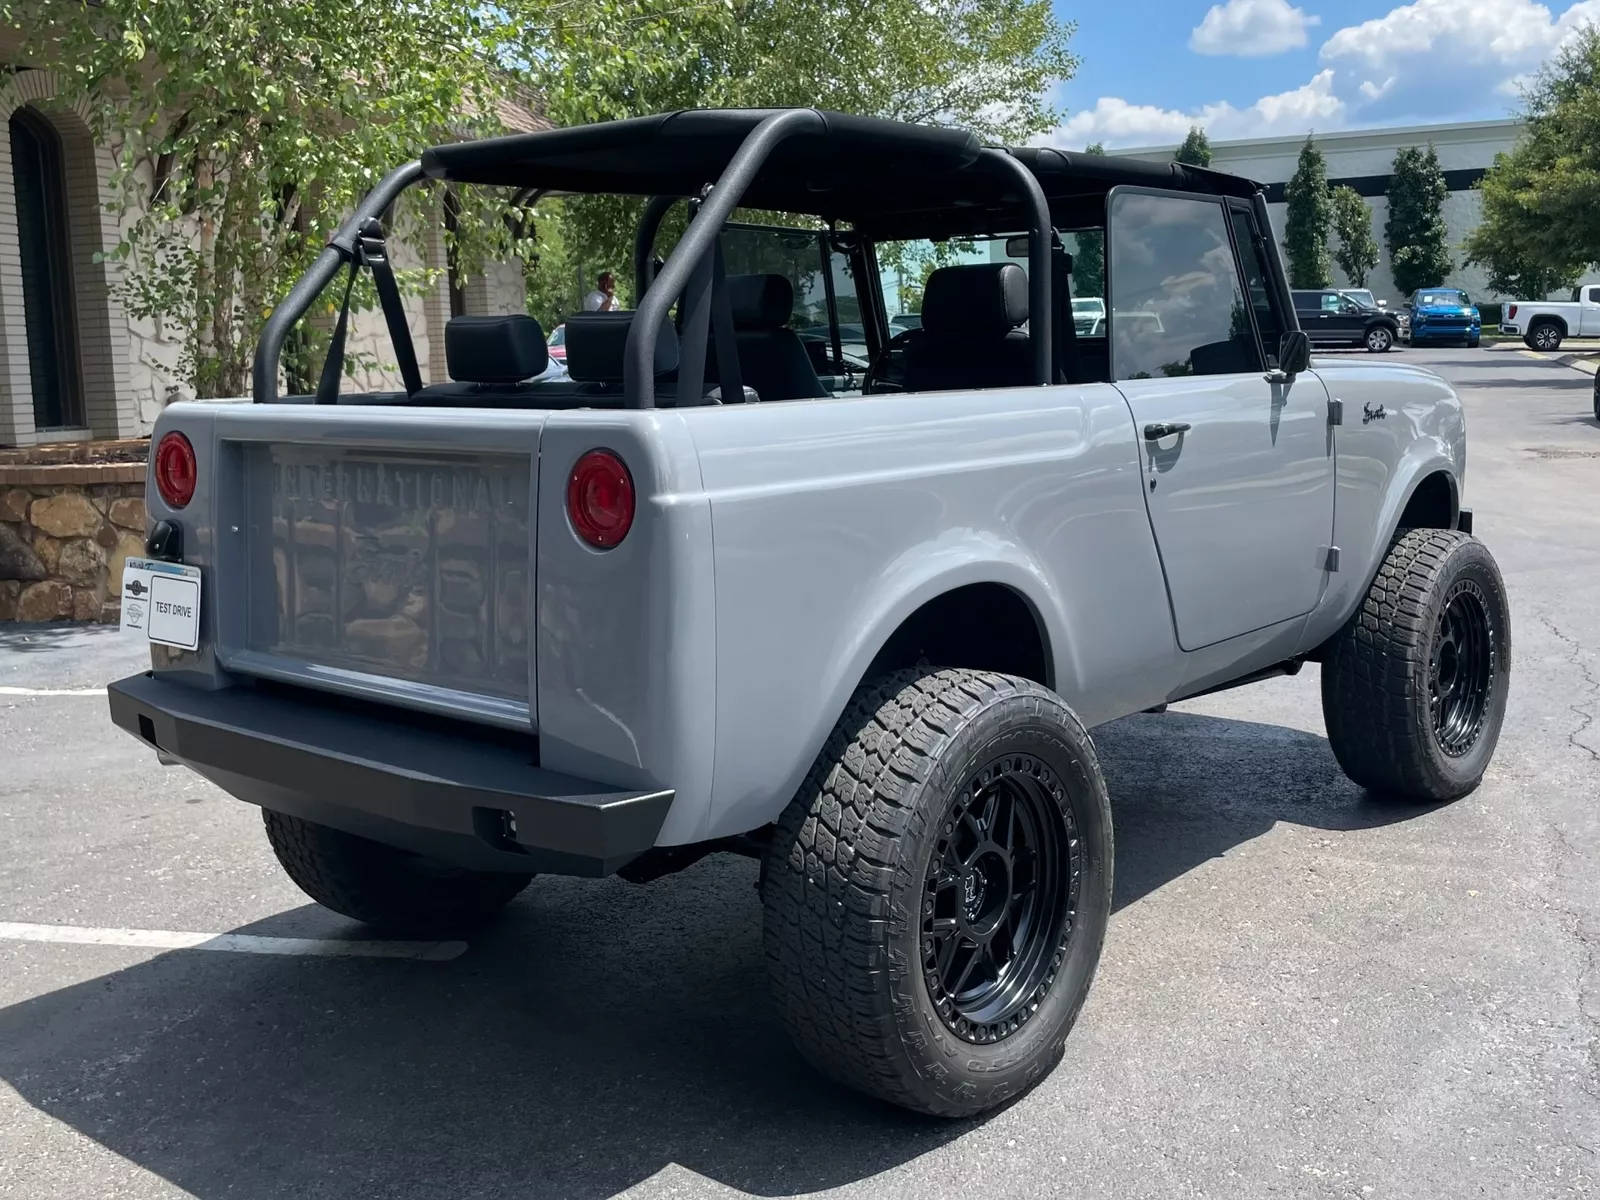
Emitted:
pixel 1589 364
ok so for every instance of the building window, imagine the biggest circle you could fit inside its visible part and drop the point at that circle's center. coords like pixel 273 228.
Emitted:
pixel 47 303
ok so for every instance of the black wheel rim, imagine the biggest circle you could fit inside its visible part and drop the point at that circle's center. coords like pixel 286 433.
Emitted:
pixel 1000 898
pixel 1461 669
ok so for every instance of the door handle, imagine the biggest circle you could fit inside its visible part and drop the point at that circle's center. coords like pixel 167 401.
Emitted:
pixel 1157 430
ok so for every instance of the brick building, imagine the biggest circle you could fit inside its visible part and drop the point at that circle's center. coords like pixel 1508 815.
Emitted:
pixel 74 366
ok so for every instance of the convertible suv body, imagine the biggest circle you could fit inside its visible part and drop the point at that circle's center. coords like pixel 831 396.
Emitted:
pixel 703 596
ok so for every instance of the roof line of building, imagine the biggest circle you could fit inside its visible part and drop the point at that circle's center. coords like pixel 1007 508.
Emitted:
pixel 1449 132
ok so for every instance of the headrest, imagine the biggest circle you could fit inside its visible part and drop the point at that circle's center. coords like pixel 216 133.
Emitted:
pixel 978 298
pixel 596 342
pixel 760 301
pixel 503 349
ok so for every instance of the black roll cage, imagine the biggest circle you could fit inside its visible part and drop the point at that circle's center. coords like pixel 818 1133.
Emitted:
pixel 694 266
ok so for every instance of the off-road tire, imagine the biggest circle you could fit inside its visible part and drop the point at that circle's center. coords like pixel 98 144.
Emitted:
pixel 1545 336
pixel 850 867
pixel 1378 673
pixel 1378 340
pixel 390 889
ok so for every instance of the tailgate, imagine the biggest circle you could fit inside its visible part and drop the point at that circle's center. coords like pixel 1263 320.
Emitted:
pixel 386 555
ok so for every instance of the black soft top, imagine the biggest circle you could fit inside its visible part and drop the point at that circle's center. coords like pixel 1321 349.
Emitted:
pixel 888 178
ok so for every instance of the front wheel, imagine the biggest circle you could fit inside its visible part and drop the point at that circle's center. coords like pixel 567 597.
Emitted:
pixel 1379 339
pixel 392 889
pixel 937 892
pixel 1414 686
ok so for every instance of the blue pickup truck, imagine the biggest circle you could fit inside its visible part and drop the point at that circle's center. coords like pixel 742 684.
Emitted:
pixel 1443 315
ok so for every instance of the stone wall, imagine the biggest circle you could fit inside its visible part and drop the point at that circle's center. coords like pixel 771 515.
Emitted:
pixel 65 530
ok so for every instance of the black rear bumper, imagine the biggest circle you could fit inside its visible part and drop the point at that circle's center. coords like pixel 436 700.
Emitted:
pixel 476 802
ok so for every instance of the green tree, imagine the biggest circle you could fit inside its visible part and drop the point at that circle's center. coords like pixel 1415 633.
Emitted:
pixel 1419 253
pixel 1309 217
pixel 1089 254
pixel 1541 202
pixel 1196 149
pixel 242 132
pixel 1358 248
pixel 988 65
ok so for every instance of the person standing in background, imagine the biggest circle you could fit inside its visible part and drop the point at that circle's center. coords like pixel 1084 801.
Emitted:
pixel 604 297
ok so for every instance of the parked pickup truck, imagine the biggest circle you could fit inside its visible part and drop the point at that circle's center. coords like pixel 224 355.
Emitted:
pixel 689 599
pixel 1545 324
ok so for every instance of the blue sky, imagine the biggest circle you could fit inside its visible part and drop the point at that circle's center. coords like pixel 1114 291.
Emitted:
pixel 1254 68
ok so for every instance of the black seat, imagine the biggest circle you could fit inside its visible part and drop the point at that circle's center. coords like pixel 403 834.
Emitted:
pixel 971 333
pixel 772 358
pixel 489 357
pixel 596 349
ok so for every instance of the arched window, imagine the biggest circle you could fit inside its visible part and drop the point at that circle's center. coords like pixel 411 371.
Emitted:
pixel 47 301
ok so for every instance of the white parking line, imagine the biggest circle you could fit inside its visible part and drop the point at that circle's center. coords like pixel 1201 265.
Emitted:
pixel 237 943
pixel 22 691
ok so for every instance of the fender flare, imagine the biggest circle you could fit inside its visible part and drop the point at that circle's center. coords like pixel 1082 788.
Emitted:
pixel 923 573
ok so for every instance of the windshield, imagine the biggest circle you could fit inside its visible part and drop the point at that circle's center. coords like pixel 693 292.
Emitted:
pixel 1361 296
pixel 1443 298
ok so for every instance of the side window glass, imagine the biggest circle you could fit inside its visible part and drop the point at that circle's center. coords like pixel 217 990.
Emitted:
pixel 1332 303
pixel 1269 320
pixel 1177 301
pixel 1594 295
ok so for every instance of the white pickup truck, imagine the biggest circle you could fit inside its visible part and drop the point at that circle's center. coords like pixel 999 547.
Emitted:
pixel 1544 325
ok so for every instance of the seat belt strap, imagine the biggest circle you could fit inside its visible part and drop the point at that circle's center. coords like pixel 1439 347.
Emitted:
pixel 333 364
pixel 375 252
pixel 729 378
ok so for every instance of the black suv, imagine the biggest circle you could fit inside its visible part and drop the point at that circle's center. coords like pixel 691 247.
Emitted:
pixel 1330 318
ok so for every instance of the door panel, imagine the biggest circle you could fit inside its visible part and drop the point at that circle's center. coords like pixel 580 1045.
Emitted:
pixel 1238 471
pixel 1242 503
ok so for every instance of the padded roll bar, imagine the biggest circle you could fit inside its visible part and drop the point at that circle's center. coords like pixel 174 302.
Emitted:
pixel 1040 318
pixel 644 241
pixel 638 373
pixel 341 249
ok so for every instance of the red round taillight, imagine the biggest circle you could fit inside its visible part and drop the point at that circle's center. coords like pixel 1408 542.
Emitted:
pixel 600 499
pixel 175 470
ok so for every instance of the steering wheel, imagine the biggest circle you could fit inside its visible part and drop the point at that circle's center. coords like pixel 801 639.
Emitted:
pixel 870 381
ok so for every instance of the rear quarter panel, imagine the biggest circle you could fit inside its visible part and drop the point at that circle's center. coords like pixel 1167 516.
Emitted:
pixel 834 520
pixel 1380 461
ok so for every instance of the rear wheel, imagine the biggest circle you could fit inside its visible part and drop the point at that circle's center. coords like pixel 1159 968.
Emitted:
pixel 1546 336
pixel 392 889
pixel 1414 686
pixel 937 892
pixel 1379 339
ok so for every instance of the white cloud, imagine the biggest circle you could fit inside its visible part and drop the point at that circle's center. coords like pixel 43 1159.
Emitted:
pixel 1515 34
pixel 1118 123
pixel 1251 28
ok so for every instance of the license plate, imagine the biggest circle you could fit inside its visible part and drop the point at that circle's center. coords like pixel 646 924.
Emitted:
pixel 161 602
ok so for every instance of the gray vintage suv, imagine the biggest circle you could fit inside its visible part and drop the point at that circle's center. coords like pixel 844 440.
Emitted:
pixel 776 573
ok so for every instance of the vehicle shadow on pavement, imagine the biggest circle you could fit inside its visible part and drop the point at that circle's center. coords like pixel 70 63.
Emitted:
pixel 596 1035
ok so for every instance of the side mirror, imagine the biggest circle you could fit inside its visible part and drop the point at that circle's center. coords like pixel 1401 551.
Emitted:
pixel 1294 352
pixel 1383 304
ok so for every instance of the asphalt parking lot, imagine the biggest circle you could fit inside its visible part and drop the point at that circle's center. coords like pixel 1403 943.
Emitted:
pixel 1303 993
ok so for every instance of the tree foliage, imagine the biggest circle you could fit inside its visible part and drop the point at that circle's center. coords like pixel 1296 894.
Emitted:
pixel 1089 253
pixel 1196 149
pixel 1419 250
pixel 1358 248
pixel 1541 202
pixel 242 132
pixel 987 65
pixel 1308 220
